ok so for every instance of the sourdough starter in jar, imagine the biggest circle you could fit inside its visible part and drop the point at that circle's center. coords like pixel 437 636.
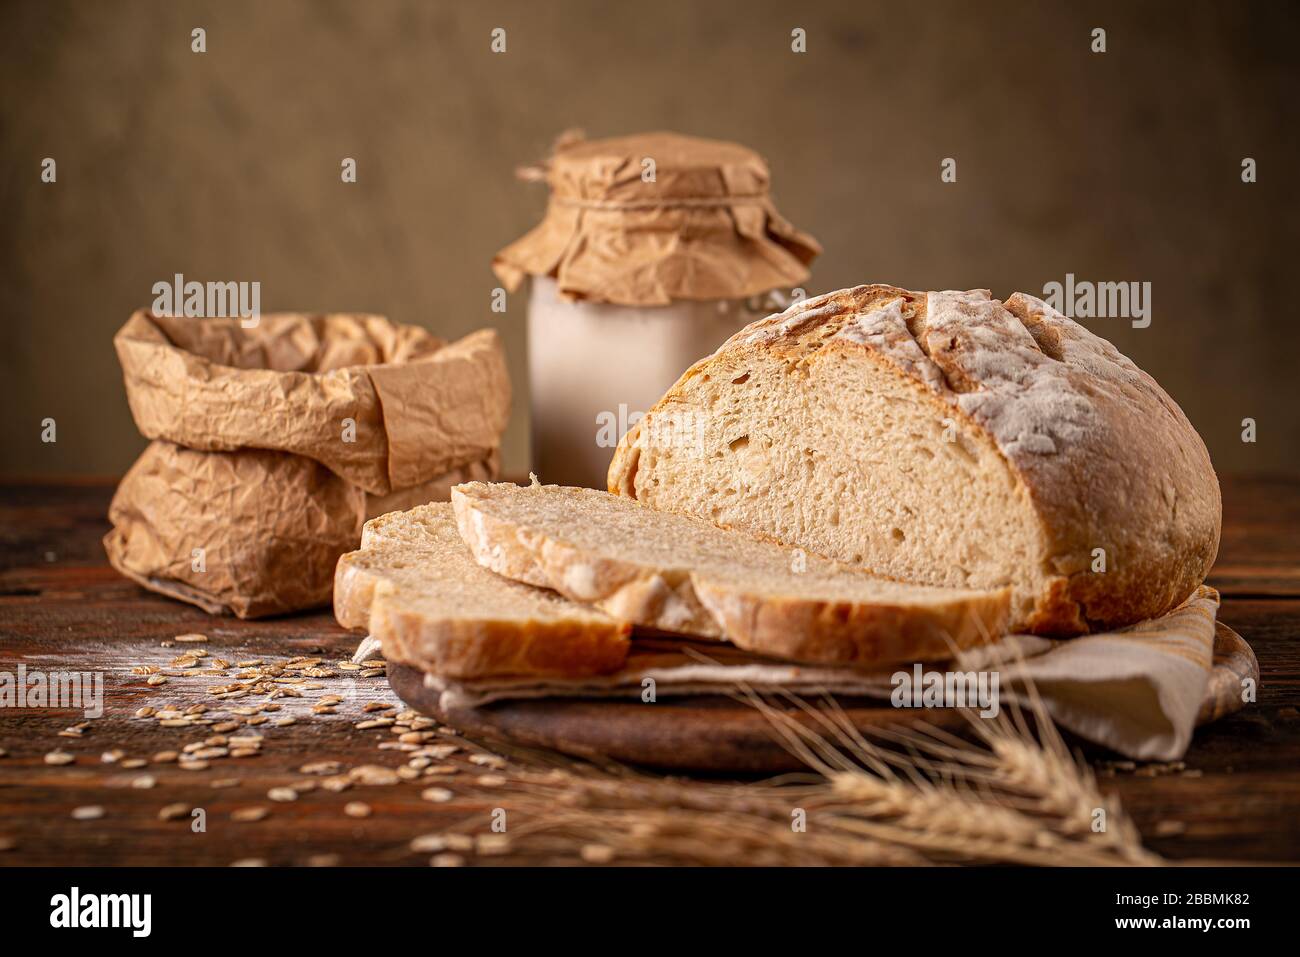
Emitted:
pixel 650 247
pixel 595 368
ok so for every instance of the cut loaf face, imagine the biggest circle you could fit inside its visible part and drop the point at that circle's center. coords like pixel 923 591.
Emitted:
pixel 678 573
pixel 415 586
pixel 945 438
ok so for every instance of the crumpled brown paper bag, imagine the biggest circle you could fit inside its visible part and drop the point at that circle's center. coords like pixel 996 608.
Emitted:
pixel 420 407
pixel 251 532
pixel 251 491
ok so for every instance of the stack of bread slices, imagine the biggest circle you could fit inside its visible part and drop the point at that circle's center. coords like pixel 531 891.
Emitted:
pixel 873 477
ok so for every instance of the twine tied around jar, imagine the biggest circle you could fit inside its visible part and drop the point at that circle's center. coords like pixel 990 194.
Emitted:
pixel 538 172
pixel 681 203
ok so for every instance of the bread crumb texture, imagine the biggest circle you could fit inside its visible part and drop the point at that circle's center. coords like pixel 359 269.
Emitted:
pixel 944 438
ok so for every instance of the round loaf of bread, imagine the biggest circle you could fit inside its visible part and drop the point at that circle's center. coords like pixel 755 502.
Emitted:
pixel 944 438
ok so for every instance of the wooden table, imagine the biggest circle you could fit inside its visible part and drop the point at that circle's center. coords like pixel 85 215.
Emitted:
pixel 63 608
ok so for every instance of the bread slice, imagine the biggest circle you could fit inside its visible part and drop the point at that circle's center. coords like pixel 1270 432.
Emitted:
pixel 678 573
pixel 415 586
pixel 944 438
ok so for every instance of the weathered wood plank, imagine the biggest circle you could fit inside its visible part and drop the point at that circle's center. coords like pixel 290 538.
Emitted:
pixel 61 604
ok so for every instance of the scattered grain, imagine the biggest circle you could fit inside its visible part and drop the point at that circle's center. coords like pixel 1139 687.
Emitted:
pixel 172 812
pixel 492 844
pixel 373 775
pixel 597 853
pixel 428 843
pixel 320 767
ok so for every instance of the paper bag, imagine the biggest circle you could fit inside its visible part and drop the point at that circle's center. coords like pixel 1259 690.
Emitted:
pixel 274 444
pixel 381 405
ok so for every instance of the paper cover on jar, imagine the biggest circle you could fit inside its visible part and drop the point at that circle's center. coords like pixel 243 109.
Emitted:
pixel 657 217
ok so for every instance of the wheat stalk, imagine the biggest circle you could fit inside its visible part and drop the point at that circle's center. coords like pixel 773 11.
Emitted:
pixel 1017 798
pixel 1009 792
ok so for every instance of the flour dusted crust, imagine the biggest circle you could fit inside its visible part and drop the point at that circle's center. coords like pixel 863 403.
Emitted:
pixel 1104 458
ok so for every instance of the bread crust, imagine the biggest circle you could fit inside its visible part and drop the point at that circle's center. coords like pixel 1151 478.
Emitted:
pixel 630 592
pixel 1105 456
pixel 755 617
pixel 459 644
pixel 477 649
pixel 848 633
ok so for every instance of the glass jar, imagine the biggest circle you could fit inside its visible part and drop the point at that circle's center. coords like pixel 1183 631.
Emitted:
pixel 594 368
pixel 654 249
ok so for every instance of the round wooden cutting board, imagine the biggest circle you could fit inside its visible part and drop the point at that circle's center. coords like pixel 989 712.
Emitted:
pixel 689 733
pixel 717 733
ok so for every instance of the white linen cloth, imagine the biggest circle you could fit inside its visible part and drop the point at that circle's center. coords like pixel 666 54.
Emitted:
pixel 1137 690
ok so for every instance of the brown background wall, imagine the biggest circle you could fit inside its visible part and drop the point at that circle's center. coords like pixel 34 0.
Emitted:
pixel 225 165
